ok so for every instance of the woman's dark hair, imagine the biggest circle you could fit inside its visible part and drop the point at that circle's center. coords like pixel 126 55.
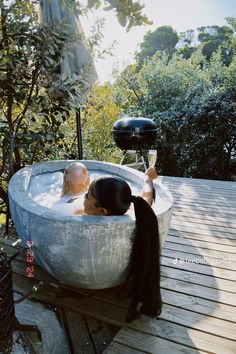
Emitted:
pixel 114 194
pixel 111 193
pixel 144 277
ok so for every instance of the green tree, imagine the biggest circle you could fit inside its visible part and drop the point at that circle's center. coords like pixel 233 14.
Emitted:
pixel 129 13
pixel 221 33
pixel 187 51
pixel 99 116
pixel 193 103
pixel 34 100
pixel 164 38
pixel 187 37
pixel 37 104
pixel 210 47
pixel 213 37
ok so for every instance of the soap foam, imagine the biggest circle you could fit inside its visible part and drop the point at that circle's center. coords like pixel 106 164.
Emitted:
pixel 46 189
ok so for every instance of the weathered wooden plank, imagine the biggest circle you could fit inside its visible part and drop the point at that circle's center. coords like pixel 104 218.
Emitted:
pixel 40 274
pixel 197 181
pixel 150 344
pixel 173 261
pixel 206 238
pixel 195 305
pixel 184 257
pixel 186 194
pixel 201 184
pixel 110 295
pixel 185 217
pixel 117 348
pixel 203 226
pixel 201 322
pixel 207 193
pixel 174 273
pixel 203 214
pixel 196 190
pixel 113 314
pixel 77 333
pixel 202 219
pixel 191 207
pixel 216 206
pixel 203 199
pixel 199 290
pixel 88 306
pixel 189 276
pixel 221 256
pixel 200 279
pixel 211 203
pixel 201 244
pixel 199 305
pixel 200 193
pixel 208 232
pixel 101 333
pixel 190 184
pixel 201 340
pixel 183 335
pixel 185 203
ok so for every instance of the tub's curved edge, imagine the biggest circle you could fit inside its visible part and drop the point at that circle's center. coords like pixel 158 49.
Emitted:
pixel 19 184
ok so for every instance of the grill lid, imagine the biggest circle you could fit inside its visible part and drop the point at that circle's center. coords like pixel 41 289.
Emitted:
pixel 134 124
pixel 133 133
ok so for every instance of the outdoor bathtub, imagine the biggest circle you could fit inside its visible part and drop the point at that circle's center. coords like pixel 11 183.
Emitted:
pixel 84 251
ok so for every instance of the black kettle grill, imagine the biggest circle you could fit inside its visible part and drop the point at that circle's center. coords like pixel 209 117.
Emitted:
pixel 133 133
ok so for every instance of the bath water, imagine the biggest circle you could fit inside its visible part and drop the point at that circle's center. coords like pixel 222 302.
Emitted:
pixel 46 189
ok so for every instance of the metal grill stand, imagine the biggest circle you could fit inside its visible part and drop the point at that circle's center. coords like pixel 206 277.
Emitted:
pixel 139 159
pixel 8 321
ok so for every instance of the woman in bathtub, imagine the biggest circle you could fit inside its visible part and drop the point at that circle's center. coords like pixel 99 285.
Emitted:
pixel 107 196
pixel 76 183
pixel 112 196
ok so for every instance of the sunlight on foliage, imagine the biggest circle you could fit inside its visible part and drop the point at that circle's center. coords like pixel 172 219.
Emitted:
pixel 99 115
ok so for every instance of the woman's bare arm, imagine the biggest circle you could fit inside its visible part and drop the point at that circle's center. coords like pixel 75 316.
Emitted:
pixel 147 191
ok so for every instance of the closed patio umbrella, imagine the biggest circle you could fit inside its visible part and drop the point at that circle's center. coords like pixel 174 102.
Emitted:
pixel 76 57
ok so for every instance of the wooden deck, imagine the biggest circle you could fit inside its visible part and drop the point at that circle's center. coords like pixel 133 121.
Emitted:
pixel 198 282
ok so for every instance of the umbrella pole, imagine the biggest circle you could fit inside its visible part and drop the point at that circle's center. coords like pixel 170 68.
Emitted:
pixel 79 134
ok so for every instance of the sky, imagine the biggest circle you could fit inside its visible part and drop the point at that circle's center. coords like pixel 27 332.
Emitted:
pixel 181 15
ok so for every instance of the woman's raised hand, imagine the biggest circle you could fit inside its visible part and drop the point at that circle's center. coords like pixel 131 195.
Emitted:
pixel 151 173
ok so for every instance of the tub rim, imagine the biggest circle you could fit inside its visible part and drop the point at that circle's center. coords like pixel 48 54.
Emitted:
pixel 19 183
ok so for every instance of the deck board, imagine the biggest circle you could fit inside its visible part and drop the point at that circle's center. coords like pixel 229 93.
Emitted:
pixel 199 299
pixel 149 343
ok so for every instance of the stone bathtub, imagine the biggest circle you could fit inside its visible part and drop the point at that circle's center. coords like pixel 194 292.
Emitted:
pixel 84 251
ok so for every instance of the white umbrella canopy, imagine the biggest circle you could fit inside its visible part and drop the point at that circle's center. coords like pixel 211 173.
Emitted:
pixel 77 59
